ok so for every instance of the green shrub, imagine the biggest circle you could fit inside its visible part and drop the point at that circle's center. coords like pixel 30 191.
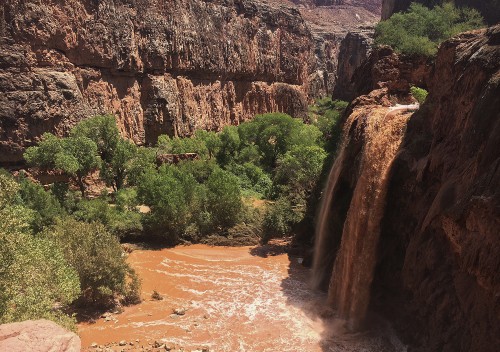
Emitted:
pixel 251 177
pixel 169 193
pixel 274 134
pixel 326 115
pixel 121 220
pixel 46 207
pixel 223 198
pixel 178 145
pixel 143 162
pixel 300 168
pixel 420 30
pixel 199 169
pixel 35 279
pixel 96 255
pixel 279 219
pixel 419 93
pixel 230 144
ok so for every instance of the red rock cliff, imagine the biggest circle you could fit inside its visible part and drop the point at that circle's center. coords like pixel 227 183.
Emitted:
pixel 163 66
pixel 160 67
pixel 436 265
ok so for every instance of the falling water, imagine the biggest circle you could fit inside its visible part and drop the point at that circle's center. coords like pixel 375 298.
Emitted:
pixel 349 289
pixel 323 256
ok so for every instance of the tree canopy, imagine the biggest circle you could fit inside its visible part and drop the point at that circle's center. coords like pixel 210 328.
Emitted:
pixel 420 30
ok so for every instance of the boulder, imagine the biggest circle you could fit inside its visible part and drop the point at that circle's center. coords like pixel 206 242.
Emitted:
pixel 37 336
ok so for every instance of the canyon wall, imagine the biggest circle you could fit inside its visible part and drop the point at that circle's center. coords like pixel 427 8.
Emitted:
pixel 163 67
pixel 490 9
pixel 436 265
pixel 160 67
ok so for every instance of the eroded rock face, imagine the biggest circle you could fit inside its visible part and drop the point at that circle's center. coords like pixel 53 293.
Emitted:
pixel 160 67
pixel 444 205
pixel 164 66
pixel 37 336
pixel 437 275
pixel 385 69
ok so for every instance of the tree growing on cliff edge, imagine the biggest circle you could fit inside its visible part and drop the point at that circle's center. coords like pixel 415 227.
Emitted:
pixel 421 30
pixel 75 156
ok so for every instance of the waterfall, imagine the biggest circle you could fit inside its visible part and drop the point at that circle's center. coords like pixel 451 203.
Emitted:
pixel 354 264
pixel 323 256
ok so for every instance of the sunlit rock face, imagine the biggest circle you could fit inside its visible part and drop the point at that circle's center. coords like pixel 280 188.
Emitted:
pixel 37 336
pixel 160 67
pixel 163 67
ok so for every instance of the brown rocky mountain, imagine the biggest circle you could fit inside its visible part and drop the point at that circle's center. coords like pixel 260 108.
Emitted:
pixel 417 203
pixel 162 67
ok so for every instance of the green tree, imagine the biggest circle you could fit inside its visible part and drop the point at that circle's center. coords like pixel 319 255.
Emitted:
pixel 230 145
pixel 186 145
pixel 211 141
pixel 34 276
pixel 420 30
pixel 102 130
pixel 168 195
pixel 143 162
pixel 120 164
pixel 115 152
pixel 300 168
pixel 75 156
pixel 223 198
pixel 96 255
pixel 274 134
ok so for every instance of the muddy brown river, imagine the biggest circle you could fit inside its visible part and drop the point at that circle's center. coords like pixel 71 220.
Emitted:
pixel 235 299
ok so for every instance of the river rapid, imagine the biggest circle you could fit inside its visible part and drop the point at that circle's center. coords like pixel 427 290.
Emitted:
pixel 235 299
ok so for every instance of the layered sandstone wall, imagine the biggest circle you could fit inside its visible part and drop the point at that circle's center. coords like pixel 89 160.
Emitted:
pixel 160 67
pixel 164 66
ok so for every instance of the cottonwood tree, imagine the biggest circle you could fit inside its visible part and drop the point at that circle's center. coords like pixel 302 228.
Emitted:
pixel 114 151
pixel 74 156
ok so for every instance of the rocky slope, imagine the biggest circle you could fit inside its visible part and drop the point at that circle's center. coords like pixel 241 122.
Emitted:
pixel 490 9
pixel 436 273
pixel 162 67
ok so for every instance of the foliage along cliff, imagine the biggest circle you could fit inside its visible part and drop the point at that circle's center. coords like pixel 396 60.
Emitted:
pixel 435 267
pixel 490 9
pixel 160 67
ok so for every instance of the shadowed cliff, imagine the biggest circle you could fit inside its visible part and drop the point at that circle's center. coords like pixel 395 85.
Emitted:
pixel 435 267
